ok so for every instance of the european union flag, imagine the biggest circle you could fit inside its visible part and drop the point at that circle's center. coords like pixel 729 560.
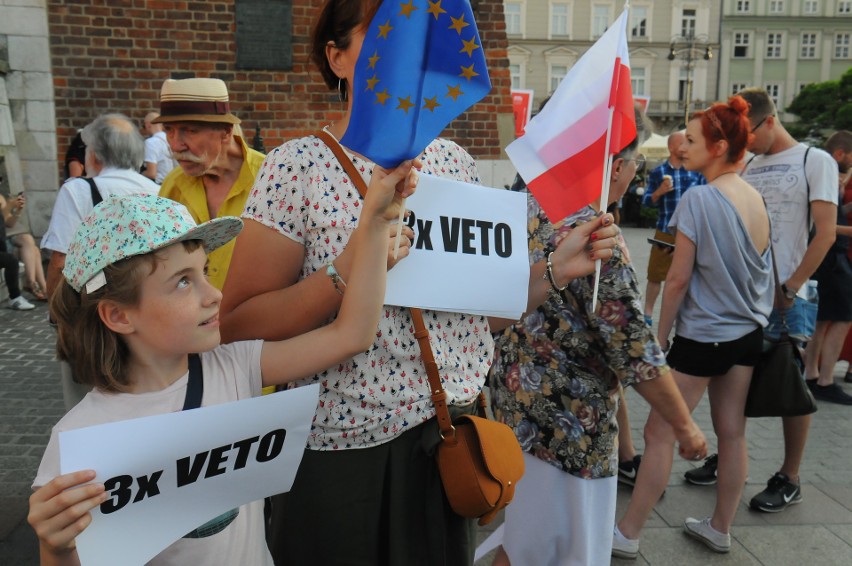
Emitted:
pixel 421 65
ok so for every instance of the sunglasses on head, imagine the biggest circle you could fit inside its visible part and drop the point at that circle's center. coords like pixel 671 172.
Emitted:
pixel 759 124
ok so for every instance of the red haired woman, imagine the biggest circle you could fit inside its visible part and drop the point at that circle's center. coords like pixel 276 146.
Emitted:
pixel 719 293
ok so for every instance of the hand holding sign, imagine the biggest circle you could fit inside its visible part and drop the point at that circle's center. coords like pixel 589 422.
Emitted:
pixel 60 510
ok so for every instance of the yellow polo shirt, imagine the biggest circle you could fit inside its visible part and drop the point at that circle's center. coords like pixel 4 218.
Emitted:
pixel 189 191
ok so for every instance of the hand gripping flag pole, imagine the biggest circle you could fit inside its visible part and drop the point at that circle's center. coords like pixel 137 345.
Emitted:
pixel 589 116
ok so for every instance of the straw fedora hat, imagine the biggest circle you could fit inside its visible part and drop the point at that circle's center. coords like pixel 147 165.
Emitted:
pixel 195 100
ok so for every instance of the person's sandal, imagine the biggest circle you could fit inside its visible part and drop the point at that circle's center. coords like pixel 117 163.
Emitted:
pixel 35 289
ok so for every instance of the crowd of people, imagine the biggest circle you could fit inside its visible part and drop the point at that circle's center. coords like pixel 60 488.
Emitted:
pixel 296 299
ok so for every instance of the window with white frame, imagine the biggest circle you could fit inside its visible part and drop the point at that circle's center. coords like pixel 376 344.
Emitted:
pixel 841 45
pixel 638 81
pixel 844 7
pixel 513 12
pixel 742 43
pixel 639 21
pixel 559 19
pixel 557 73
pixel 776 6
pixel 808 45
pixel 687 22
pixel 516 75
pixel 774 45
pixel 600 19
pixel 737 87
pixel 774 92
pixel 743 6
pixel 811 7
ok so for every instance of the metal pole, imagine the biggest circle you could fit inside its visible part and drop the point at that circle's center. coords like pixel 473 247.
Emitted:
pixel 688 98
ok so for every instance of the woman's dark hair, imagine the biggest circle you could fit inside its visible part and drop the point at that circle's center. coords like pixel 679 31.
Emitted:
pixel 642 133
pixel 336 22
pixel 727 122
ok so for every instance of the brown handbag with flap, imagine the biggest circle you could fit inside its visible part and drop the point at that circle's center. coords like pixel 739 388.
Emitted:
pixel 480 460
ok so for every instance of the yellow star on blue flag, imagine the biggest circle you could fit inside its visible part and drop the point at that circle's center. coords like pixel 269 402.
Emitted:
pixel 427 56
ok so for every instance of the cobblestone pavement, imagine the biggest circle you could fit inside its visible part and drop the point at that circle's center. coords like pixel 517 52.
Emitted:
pixel 817 532
pixel 30 404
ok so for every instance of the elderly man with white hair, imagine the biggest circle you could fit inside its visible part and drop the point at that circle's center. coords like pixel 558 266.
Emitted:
pixel 114 153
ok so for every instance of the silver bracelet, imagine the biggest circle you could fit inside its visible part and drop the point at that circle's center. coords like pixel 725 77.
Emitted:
pixel 555 290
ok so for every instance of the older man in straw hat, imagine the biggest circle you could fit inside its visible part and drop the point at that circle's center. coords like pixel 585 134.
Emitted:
pixel 217 168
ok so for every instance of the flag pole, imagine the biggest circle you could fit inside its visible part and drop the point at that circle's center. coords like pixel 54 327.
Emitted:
pixel 607 167
pixel 604 198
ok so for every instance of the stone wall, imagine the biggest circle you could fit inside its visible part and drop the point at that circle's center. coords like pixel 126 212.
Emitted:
pixel 114 56
pixel 27 119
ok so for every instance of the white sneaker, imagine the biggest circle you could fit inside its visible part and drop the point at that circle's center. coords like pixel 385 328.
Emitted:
pixel 20 304
pixel 703 531
pixel 623 547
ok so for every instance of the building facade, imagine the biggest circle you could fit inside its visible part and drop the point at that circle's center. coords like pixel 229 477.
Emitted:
pixel 668 42
pixel 783 45
pixel 64 63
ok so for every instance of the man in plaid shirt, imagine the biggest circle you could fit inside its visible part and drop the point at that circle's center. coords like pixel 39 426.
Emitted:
pixel 666 184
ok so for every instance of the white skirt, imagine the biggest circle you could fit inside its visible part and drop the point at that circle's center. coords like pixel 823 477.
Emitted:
pixel 557 519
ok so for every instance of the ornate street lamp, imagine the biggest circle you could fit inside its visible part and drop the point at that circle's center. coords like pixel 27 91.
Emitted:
pixel 690 49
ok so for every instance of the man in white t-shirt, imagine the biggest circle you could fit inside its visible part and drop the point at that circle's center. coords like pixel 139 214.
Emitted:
pixel 790 177
pixel 158 154
pixel 114 152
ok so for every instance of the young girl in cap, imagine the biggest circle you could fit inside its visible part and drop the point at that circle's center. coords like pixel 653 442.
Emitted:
pixel 135 302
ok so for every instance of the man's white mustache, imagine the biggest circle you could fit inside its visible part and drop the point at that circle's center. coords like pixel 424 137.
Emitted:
pixel 185 156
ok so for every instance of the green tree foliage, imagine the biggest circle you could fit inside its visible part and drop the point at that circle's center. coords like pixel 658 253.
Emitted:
pixel 823 108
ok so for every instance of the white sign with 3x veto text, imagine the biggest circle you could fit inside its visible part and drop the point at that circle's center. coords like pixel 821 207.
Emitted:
pixel 469 253
pixel 169 474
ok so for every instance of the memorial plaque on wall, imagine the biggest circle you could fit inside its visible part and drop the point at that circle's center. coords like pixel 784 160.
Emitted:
pixel 264 34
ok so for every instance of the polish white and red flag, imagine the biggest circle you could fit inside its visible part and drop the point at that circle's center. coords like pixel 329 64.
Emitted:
pixel 564 153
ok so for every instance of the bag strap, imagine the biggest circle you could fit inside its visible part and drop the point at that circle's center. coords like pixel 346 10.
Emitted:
pixel 96 194
pixel 779 298
pixel 195 384
pixel 439 396
pixel 344 160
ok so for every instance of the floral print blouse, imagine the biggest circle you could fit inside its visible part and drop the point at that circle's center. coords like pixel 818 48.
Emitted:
pixel 303 193
pixel 556 372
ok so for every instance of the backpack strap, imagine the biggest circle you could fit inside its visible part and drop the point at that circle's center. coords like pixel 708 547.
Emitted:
pixel 807 185
pixel 96 194
pixel 195 384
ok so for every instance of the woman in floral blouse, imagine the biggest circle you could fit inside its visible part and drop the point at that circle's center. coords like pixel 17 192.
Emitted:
pixel 555 381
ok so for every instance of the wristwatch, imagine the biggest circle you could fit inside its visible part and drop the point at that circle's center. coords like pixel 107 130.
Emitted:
pixel 788 292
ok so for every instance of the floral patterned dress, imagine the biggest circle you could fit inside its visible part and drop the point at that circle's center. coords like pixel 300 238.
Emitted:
pixel 556 372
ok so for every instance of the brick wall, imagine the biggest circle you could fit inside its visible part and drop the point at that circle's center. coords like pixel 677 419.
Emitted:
pixel 114 57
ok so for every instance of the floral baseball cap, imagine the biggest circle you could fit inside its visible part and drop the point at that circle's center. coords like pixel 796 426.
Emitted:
pixel 125 226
